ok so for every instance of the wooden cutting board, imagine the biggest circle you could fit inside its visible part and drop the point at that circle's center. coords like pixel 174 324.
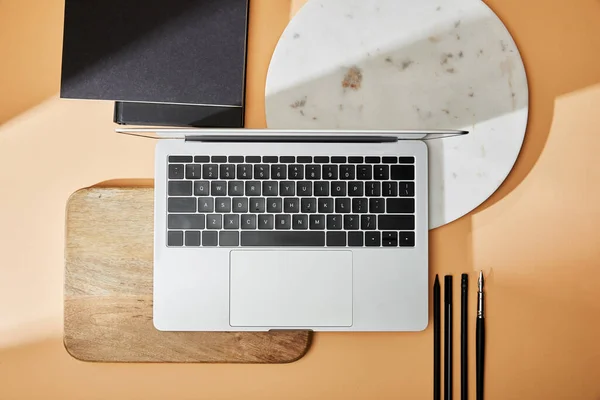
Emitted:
pixel 108 292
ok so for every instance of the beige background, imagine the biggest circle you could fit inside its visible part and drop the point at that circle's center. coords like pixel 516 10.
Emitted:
pixel 537 237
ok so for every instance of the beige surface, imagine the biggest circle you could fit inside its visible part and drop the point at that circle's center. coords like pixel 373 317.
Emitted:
pixel 108 292
pixel 537 237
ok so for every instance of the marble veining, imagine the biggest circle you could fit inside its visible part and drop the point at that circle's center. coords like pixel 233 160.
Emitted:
pixel 402 64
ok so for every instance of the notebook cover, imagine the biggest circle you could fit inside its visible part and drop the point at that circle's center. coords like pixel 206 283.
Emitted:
pixel 157 51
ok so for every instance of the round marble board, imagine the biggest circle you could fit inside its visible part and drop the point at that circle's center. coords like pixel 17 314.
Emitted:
pixel 405 64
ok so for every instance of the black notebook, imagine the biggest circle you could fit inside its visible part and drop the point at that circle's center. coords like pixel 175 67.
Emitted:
pixel 175 62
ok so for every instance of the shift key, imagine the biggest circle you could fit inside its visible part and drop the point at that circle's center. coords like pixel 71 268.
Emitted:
pixel 396 222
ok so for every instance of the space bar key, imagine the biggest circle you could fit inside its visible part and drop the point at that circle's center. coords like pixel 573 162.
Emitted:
pixel 283 238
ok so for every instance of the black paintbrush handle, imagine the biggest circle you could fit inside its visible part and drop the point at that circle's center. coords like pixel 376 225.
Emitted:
pixel 480 356
pixel 464 338
pixel 437 366
pixel 448 337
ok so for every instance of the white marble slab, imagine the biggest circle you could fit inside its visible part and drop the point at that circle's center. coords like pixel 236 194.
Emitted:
pixel 405 64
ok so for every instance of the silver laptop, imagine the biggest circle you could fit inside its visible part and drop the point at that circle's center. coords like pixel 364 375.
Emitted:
pixel 259 230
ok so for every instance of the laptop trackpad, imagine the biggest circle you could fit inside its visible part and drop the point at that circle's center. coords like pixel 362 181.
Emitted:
pixel 290 288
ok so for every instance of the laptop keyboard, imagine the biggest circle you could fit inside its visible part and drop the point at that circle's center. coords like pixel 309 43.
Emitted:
pixel 307 201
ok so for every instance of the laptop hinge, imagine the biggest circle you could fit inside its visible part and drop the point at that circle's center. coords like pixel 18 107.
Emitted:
pixel 293 138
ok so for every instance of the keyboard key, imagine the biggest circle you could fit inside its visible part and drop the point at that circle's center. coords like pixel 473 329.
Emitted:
pixel 313 172
pixel 257 205
pixel 304 188
pixel 390 189
pixel 368 222
pixel 406 160
pixel 389 160
pixel 338 188
pixel 193 171
pixel 214 221
pixel 322 159
pixel 274 205
pixel 290 238
pixel 270 189
pixel 330 172
pixel 218 188
pixel 266 221
pixel 278 171
pixel 317 221
pixel 342 206
pixel 377 206
pixel 296 172
pixel 401 205
pixel 347 172
pixel 287 159
pixel 287 188
pixel 236 188
pixel 291 205
pixel 175 238
pixel 219 159
pixel 253 159
pixel 182 204
pixel 206 204
pixel 406 189
pixel 396 222
pixel 300 221
pixel 355 189
pixel 180 188
pixel 283 221
pixel 309 206
pixel 201 159
pixel 403 172
pixel 372 189
pixel 389 239
pixel 351 222
pixel 364 172
pixel 336 239
pixel 253 188
pixel 227 171
pixel 382 172
pixel 185 221
pixel 236 159
pixel 373 160
pixel 209 171
pixel 334 222
pixel 356 160
pixel 321 188
pixel 360 206
pixel 406 239
pixel 176 171
pixel 223 204
pixel 231 221
pixel 244 171
pixel 192 238
pixel 229 239
pixel 181 159
pixel 209 238
pixel 355 239
pixel 372 239
pixel 270 159
pixel 304 159
pixel 248 221
pixel 338 160
pixel 262 171
pixel 325 206
pixel 201 188
pixel 240 205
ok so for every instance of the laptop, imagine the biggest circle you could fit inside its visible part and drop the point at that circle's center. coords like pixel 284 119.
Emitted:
pixel 259 230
